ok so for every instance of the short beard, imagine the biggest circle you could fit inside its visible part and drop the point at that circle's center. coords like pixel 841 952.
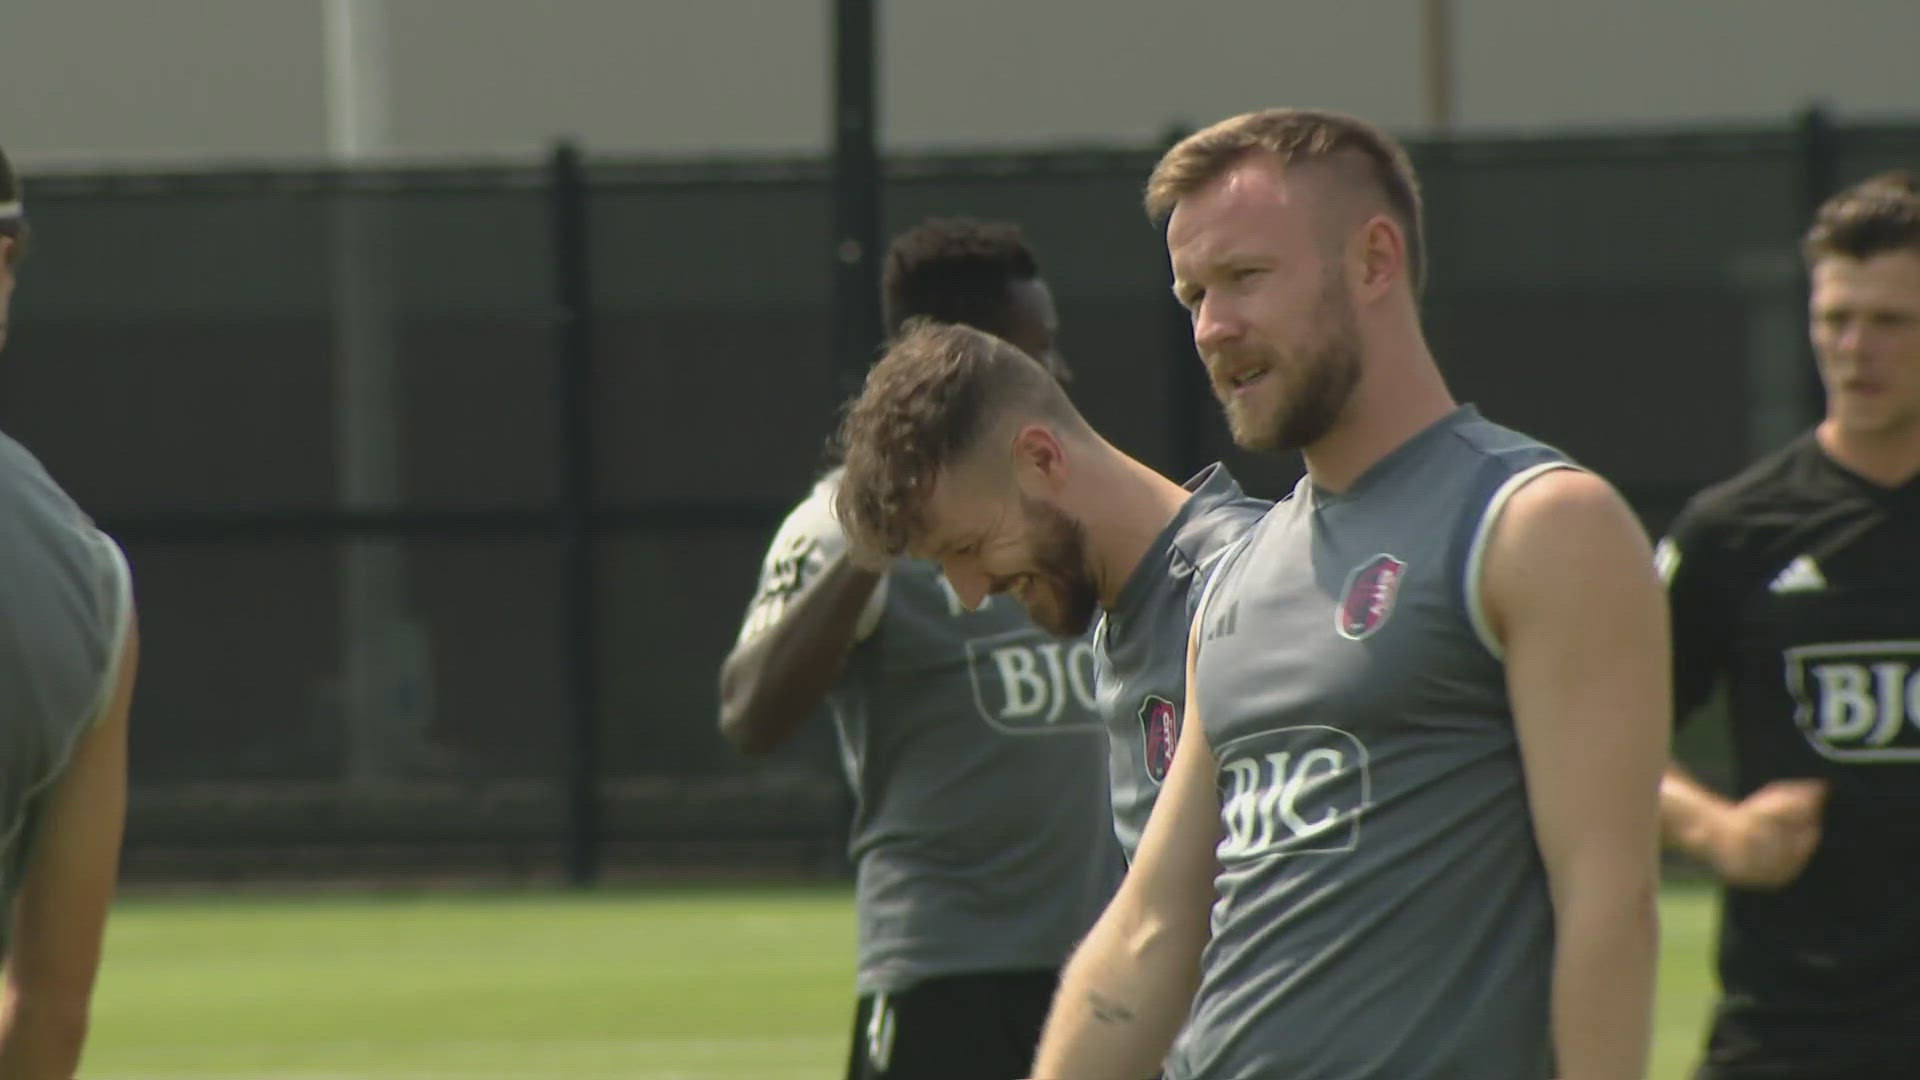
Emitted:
pixel 1061 571
pixel 1326 381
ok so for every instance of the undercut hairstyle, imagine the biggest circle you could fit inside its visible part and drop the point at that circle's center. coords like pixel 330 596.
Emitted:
pixel 1297 137
pixel 1871 218
pixel 955 270
pixel 13 220
pixel 940 388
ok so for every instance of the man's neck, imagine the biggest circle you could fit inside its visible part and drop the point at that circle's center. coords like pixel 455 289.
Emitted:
pixel 1889 461
pixel 1130 508
pixel 1398 397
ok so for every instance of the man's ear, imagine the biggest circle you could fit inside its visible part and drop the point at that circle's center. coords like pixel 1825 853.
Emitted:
pixel 1039 459
pixel 1380 255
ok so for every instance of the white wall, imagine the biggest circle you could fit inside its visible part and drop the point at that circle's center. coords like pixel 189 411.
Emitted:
pixel 984 71
pixel 1537 63
pixel 167 78
pixel 646 76
pixel 212 79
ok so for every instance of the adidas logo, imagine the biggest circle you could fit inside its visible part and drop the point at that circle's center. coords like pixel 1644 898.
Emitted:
pixel 1801 575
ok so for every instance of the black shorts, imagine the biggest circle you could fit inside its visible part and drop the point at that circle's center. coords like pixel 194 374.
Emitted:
pixel 982 1026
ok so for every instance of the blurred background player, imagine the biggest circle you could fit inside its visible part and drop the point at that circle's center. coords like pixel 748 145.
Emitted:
pixel 962 450
pixel 980 839
pixel 1798 583
pixel 67 659
pixel 1410 830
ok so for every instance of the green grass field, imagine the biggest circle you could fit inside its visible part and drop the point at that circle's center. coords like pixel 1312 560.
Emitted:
pixel 682 983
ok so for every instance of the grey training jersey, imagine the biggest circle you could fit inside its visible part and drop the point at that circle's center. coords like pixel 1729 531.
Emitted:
pixel 1382 910
pixel 65 604
pixel 981 840
pixel 1140 647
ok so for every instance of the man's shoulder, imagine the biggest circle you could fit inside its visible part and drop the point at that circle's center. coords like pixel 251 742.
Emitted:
pixel 1486 441
pixel 1770 492
pixel 42 529
pixel 26 485
pixel 1222 515
pixel 812 518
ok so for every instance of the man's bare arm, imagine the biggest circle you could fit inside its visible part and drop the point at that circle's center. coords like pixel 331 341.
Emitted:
pixel 1572 594
pixel 1131 983
pixel 777 675
pixel 1760 842
pixel 60 915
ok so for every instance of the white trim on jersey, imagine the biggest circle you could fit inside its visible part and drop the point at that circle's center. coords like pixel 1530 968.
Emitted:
pixel 876 606
pixel 1199 630
pixel 11 210
pixel 1477 554
pixel 123 628
pixel 1205 566
pixel 1666 560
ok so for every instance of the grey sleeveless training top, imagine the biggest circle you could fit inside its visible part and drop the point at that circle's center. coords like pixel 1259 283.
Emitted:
pixel 1140 647
pixel 66 600
pixel 1382 909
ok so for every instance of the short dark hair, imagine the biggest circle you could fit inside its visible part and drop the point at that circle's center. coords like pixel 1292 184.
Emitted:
pixel 1875 216
pixel 1296 137
pixel 955 270
pixel 925 406
pixel 14 222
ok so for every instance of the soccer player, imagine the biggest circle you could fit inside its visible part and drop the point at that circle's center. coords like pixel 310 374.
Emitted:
pixel 1797 582
pixel 981 841
pixel 67 658
pixel 1411 828
pixel 963 451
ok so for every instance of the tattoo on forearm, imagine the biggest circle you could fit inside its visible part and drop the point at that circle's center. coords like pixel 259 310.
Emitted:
pixel 1108 1011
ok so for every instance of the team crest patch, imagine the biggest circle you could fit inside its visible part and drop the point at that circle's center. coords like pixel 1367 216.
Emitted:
pixel 1367 601
pixel 1160 724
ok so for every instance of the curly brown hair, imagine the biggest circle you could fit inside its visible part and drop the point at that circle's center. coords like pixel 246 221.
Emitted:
pixel 924 408
pixel 1872 217
pixel 1296 137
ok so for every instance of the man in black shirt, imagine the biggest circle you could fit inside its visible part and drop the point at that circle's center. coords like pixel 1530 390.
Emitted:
pixel 1798 582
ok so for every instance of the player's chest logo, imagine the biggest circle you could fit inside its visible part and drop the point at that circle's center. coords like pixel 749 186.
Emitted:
pixel 1858 701
pixel 1366 602
pixel 1026 683
pixel 1293 791
pixel 1160 731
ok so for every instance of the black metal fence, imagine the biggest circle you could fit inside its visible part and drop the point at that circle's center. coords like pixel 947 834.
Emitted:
pixel 444 488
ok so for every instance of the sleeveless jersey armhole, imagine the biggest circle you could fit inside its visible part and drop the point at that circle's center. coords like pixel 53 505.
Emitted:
pixel 1477 551
pixel 121 587
pixel 119 593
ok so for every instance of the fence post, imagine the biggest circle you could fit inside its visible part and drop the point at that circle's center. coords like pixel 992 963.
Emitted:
pixel 1819 157
pixel 572 275
pixel 856 192
pixel 857 215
